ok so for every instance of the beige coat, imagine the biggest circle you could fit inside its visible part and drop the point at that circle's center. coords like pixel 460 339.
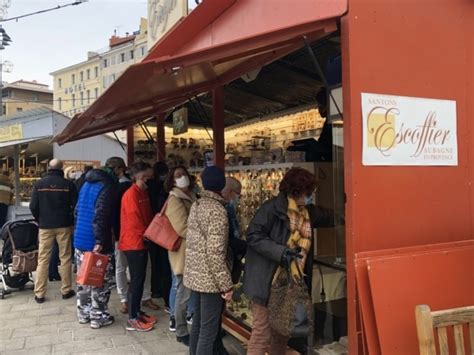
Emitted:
pixel 206 269
pixel 177 212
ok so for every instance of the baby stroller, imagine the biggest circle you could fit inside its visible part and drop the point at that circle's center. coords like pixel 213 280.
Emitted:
pixel 25 238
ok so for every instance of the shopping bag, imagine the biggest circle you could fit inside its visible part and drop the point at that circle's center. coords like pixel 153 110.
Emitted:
pixel 161 232
pixel 92 270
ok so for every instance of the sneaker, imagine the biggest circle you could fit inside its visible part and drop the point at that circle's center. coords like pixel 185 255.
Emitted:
pixel 172 324
pixel 146 318
pixel 124 308
pixel 138 326
pixel 189 320
pixel 84 320
pixel 167 310
pixel 150 304
pixel 96 324
pixel 183 340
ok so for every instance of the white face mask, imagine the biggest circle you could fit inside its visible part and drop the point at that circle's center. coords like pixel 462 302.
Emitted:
pixel 182 182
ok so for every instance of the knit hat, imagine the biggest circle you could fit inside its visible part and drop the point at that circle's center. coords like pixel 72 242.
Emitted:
pixel 213 179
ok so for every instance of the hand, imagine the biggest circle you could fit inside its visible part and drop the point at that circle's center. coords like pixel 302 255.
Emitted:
pixel 290 255
pixel 97 248
pixel 227 295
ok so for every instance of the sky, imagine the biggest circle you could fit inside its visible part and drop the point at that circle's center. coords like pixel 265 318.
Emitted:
pixel 47 42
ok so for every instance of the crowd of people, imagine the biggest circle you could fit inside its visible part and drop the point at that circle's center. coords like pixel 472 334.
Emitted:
pixel 108 210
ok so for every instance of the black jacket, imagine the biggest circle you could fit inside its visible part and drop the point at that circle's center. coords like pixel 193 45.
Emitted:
pixel 53 200
pixel 102 209
pixel 158 195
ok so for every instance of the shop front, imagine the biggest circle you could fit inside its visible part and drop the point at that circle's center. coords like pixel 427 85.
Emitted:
pixel 391 149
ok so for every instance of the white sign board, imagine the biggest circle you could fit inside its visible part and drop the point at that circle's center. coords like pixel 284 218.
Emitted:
pixel 162 15
pixel 398 130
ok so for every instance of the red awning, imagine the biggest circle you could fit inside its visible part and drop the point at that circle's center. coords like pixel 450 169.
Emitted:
pixel 215 44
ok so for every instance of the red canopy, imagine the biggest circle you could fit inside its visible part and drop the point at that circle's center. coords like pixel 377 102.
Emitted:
pixel 215 44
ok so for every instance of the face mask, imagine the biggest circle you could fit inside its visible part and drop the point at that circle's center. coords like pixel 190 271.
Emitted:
pixel 308 200
pixel 182 182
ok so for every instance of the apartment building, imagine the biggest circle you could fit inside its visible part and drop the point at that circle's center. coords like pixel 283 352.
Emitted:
pixel 25 95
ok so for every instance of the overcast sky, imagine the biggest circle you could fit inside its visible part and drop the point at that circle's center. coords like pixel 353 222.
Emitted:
pixel 51 41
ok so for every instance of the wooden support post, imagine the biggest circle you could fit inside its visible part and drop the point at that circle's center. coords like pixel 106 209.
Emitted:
pixel 130 146
pixel 160 137
pixel 218 126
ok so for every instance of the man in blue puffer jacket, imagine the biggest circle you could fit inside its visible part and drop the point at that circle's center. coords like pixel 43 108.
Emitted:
pixel 94 222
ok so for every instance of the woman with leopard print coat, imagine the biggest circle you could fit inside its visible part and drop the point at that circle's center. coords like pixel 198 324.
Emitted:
pixel 206 271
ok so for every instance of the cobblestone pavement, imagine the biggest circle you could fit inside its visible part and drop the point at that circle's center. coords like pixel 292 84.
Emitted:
pixel 52 328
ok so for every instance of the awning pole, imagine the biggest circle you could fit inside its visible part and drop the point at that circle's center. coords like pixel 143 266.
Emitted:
pixel 119 142
pixel 160 137
pixel 201 119
pixel 130 145
pixel 218 126
pixel 321 74
pixel 16 171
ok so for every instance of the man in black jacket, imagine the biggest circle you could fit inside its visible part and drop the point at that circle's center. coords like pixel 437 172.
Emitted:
pixel 52 205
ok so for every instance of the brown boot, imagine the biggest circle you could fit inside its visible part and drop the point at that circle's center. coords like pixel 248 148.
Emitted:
pixel 124 308
pixel 150 304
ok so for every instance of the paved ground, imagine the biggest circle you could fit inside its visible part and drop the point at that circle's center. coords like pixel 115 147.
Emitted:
pixel 52 328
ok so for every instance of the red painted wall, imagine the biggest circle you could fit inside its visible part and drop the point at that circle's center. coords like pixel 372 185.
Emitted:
pixel 414 48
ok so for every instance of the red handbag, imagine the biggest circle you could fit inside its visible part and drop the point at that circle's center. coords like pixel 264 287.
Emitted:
pixel 92 270
pixel 161 232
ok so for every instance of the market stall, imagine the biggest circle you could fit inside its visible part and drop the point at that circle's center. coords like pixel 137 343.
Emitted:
pixel 405 204
pixel 26 148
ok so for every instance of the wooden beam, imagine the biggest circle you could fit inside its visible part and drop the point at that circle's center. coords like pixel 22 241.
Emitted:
pixel 218 126
pixel 160 137
pixel 130 145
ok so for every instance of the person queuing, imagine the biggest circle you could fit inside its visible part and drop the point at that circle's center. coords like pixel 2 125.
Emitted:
pixel 279 234
pixel 52 205
pixel 94 222
pixel 160 265
pixel 179 186
pixel 119 168
pixel 135 217
pixel 206 270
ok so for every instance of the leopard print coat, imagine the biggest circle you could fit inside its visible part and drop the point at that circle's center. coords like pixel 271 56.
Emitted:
pixel 206 269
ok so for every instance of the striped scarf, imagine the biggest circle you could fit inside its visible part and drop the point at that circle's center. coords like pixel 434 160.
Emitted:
pixel 300 228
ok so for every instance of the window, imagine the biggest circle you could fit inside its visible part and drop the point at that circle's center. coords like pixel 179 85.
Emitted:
pixel 106 63
pixel 96 92
pixel 82 98
pixel 60 83
pixel 19 109
pixel 73 78
pixel 122 57
pixel 73 100
pixel 142 51
pixel 113 60
pixel 60 103
pixel 96 71
pixel 81 75
pixel 4 109
pixel 132 54
pixel 113 78
pixel 5 93
pixel 34 97
pixel 104 82
pixel 88 74
pixel 88 96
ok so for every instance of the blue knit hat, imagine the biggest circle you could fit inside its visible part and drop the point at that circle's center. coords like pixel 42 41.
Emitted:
pixel 213 179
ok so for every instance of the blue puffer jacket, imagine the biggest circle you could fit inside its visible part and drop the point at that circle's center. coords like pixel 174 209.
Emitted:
pixel 94 212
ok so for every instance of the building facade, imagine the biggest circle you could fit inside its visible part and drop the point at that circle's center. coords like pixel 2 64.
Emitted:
pixel 76 87
pixel 25 95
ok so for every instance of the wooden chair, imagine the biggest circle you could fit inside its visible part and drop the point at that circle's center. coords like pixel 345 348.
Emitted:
pixel 426 321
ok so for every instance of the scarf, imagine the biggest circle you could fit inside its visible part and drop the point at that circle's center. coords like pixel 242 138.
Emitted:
pixel 300 236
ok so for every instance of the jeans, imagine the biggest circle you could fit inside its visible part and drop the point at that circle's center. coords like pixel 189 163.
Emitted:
pixel 47 237
pixel 172 299
pixel 182 298
pixel 53 271
pixel 263 339
pixel 137 261
pixel 121 265
pixel 206 323
pixel 93 302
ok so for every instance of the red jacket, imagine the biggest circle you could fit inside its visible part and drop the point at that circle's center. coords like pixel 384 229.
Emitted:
pixel 135 216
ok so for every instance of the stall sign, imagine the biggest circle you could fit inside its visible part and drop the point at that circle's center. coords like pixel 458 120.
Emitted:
pixel 162 15
pixel 410 131
pixel 11 133
pixel 79 165
pixel 180 121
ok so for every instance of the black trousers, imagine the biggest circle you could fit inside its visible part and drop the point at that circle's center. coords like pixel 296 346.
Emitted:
pixel 206 323
pixel 137 260
pixel 160 272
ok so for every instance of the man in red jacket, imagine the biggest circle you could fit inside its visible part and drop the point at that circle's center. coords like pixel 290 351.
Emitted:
pixel 135 217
